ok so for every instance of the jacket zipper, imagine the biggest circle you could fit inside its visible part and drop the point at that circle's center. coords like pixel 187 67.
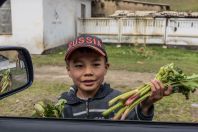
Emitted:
pixel 87 108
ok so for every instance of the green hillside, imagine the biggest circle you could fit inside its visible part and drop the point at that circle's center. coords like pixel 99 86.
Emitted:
pixel 179 5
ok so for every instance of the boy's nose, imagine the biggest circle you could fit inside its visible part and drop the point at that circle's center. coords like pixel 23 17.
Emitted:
pixel 88 71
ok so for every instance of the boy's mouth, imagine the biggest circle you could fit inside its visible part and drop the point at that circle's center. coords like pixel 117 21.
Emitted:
pixel 88 82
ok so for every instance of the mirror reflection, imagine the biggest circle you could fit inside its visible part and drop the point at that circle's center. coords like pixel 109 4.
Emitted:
pixel 12 71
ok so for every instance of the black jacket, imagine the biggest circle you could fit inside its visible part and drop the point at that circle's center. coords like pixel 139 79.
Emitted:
pixel 93 107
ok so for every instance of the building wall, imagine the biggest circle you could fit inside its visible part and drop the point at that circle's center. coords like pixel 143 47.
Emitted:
pixel 135 6
pixel 60 20
pixel 39 25
pixel 27 25
pixel 104 8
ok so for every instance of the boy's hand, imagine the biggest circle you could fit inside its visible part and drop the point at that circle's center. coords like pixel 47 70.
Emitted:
pixel 158 92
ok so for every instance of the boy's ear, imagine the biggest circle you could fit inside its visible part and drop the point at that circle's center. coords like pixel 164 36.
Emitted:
pixel 107 66
pixel 68 70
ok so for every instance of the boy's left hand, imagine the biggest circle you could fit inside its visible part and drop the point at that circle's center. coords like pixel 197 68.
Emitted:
pixel 158 92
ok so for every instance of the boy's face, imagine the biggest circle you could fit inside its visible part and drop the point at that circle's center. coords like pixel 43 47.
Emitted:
pixel 87 70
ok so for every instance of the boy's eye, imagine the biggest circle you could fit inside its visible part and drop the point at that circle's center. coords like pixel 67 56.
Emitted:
pixel 78 65
pixel 96 64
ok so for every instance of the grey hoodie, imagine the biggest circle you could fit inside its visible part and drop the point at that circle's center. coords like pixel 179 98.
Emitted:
pixel 93 107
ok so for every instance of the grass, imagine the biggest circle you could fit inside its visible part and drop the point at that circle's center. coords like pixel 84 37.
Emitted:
pixel 21 104
pixel 126 58
pixel 172 108
pixel 178 5
pixel 56 58
pixel 176 108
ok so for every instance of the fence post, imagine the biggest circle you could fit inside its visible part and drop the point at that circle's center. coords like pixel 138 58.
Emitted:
pixel 120 23
pixel 166 27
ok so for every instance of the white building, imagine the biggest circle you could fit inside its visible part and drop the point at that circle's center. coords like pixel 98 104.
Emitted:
pixel 39 25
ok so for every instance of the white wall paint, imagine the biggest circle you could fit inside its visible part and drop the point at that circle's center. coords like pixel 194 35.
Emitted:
pixel 39 25
pixel 60 20
pixel 182 31
pixel 178 31
pixel 27 25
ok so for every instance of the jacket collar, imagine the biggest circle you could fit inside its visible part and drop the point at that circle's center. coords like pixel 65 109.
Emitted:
pixel 71 97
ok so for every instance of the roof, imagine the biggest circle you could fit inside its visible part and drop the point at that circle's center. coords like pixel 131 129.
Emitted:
pixel 147 3
pixel 127 13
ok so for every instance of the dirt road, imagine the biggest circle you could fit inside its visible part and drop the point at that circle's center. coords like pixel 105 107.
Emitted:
pixel 117 78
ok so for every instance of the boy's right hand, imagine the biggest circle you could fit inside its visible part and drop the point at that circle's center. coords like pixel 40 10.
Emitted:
pixel 158 92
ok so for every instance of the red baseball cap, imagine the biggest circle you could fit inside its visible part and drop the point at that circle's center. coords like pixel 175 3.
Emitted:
pixel 88 41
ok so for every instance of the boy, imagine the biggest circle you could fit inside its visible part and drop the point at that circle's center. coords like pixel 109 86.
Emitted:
pixel 87 64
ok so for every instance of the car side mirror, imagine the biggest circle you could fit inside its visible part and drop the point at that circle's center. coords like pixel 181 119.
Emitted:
pixel 16 70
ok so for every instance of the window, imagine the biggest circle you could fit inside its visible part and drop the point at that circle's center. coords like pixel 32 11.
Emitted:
pixel 5 18
pixel 83 10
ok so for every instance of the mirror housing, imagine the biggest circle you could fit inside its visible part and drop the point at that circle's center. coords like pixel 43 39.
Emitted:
pixel 23 58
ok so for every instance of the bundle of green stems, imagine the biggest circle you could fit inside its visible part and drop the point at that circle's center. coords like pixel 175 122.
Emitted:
pixel 169 75
pixel 47 108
